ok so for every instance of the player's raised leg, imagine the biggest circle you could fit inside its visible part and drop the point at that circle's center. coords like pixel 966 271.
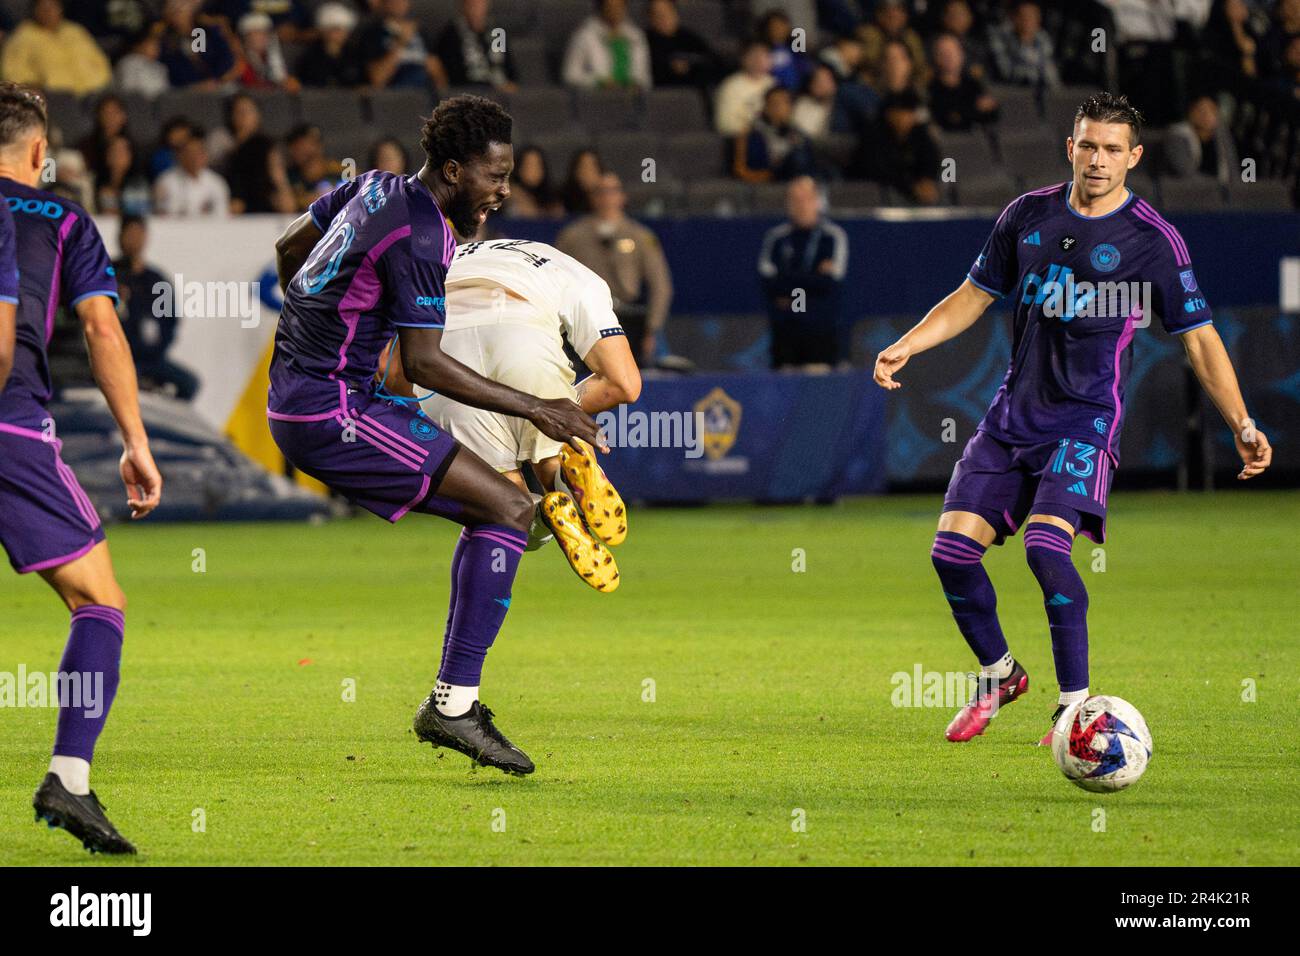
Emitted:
pixel 496 514
pixel 1048 542
pixel 958 556
pixel 92 658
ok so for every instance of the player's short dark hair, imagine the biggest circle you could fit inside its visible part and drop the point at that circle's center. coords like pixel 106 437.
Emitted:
pixel 462 127
pixel 1110 108
pixel 22 109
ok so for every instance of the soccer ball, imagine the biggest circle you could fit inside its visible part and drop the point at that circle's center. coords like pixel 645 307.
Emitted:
pixel 1102 744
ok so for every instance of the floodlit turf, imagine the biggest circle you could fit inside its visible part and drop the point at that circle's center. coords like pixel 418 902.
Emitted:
pixel 771 697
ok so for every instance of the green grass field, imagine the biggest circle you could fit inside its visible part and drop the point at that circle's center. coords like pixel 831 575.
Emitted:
pixel 772 695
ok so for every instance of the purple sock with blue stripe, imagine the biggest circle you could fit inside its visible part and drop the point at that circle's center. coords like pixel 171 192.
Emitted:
pixel 958 560
pixel 486 560
pixel 94 654
pixel 1047 549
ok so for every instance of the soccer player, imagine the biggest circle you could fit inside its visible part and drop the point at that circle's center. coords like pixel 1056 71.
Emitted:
pixel 1086 261
pixel 510 305
pixel 369 261
pixel 47 524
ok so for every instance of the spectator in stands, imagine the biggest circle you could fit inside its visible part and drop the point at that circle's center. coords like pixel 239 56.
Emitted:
pixel 678 56
pixel 585 171
pixel 956 18
pixel 772 149
pixel 190 188
pixel 902 153
pixel 113 23
pixel 740 96
pixel 801 268
pixel 815 107
pixel 608 51
pixel 311 172
pixel 958 100
pixel 120 187
pixel 390 156
pixel 531 194
pixel 1146 37
pixel 54 54
pixel 210 67
pixel 790 66
pixel 263 61
pixel 1021 49
pixel 628 256
pixel 330 59
pixel 289 18
pixel 174 134
pixel 898 71
pixel 150 335
pixel 251 161
pixel 138 71
pixel 857 101
pixel 1285 25
pixel 1232 46
pixel 73 177
pixel 1200 144
pixel 110 123
pixel 890 25
pixel 396 52
pixel 473 52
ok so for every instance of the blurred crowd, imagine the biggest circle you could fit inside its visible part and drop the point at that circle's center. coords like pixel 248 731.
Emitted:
pixel 833 89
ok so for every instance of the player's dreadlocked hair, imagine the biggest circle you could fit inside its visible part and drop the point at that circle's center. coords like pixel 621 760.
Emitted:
pixel 1109 108
pixel 462 127
pixel 21 109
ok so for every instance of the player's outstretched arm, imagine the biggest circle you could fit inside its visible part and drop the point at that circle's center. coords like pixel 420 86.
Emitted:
pixel 114 371
pixel 951 317
pixel 426 364
pixel 1213 368
pixel 293 247
pixel 8 325
pixel 615 379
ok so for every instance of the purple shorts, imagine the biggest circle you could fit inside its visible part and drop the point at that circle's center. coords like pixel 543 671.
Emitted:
pixel 46 519
pixel 1004 484
pixel 377 454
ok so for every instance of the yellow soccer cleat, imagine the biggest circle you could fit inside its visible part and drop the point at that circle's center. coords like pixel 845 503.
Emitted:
pixel 602 506
pixel 587 556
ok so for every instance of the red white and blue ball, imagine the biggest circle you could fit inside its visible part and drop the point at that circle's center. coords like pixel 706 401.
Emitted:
pixel 1102 744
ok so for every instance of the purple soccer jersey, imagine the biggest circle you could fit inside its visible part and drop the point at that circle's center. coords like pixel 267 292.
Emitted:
pixel 380 265
pixel 8 257
pixel 61 260
pixel 46 519
pixel 1080 287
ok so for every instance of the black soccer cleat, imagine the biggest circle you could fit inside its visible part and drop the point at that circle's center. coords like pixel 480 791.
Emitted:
pixel 82 816
pixel 472 734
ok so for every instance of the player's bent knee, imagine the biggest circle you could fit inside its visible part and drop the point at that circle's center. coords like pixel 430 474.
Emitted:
pixel 515 509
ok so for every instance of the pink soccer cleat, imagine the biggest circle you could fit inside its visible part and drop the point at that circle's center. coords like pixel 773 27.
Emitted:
pixel 973 719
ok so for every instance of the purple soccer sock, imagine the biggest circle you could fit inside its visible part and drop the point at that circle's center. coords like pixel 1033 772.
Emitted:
pixel 94 653
pixel 958 562
pixel 455 573
pixel 488 558
pixel 1047 549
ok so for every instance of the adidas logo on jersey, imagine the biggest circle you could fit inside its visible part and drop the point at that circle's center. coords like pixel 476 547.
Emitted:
pixel 1079 488
pixel 1033 239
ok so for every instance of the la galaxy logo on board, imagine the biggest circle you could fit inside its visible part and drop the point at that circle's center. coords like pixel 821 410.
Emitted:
pixel 422 429
pixel 1104 258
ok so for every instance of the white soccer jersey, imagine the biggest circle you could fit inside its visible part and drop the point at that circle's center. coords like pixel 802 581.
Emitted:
pixel 510 305
pixel 565 294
